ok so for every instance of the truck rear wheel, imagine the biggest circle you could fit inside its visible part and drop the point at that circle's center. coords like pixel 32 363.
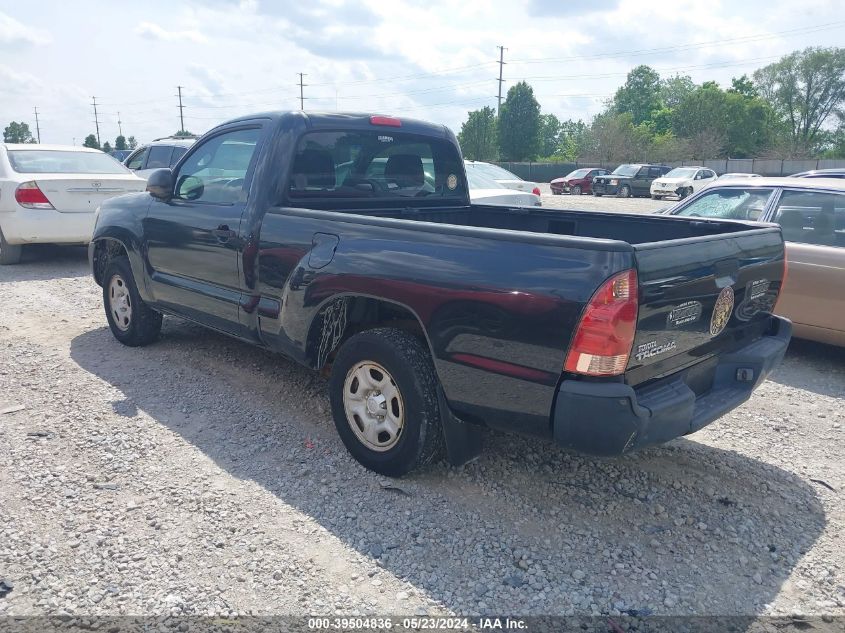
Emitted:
pixel 383 392
pixel 9 253
pixel 132 321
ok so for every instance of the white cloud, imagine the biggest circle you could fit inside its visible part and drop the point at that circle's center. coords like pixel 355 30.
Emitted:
pixel 15 82
pixel 153 31
pixel 13 33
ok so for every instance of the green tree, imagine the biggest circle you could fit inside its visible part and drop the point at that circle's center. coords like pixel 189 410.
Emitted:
pixel 17 133
pixel 639 95
pixel 120 142
pixel 673 90
pixel 617 139
pixel 478 135
pixel 550 130
pixel 804 88
pixel 132 142
pixel 184 133
pixel 743 86
pixel 107 147
pixel 702 118
pixel 575 140
pixel 91 141
pixel 519 124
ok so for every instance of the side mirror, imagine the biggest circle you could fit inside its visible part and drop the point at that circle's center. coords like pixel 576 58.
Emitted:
pixel 160 184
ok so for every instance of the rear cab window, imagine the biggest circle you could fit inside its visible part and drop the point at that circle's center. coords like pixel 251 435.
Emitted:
pixel 375 167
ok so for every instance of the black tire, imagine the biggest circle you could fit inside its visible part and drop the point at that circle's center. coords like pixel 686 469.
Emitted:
pixel 9 253
pixel 653 197
pixel 143 324
pixel 597 195
pixel 683 193
pixel 555 193
pixel 624 192
pixel 410 369
pixel 576 190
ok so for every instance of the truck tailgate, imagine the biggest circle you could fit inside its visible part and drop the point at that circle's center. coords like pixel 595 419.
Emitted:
pixel 702 296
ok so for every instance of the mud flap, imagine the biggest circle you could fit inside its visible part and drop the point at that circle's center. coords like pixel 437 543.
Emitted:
pixel 463 440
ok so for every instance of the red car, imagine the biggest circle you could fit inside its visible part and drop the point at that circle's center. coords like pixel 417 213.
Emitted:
pixel 577 182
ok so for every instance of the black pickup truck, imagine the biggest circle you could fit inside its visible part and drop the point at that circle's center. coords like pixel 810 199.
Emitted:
pixel 629 180
pixel 348 243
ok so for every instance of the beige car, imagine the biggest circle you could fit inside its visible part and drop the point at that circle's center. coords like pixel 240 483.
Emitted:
pixel 811 213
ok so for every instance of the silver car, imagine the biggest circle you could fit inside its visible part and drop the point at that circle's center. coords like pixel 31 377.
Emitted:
pixel 162 152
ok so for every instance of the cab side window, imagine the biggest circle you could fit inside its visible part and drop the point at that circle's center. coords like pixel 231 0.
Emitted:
pixel 812 217
pixel 138 159
pixel 215 171
pixel 654 172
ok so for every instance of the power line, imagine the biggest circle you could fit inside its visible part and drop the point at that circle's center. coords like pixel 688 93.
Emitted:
pixel 301 94
pixel 181 113
pixel 37 126
pixel 96 118
pixel 501 67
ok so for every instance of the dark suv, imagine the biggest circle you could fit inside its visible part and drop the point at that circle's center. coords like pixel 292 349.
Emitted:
pixel 629 180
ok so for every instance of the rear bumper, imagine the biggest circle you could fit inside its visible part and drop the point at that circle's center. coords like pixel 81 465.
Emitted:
pixel 614 418
pixel 39 226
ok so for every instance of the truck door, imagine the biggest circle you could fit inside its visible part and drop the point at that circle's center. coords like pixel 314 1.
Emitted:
pixel 193 240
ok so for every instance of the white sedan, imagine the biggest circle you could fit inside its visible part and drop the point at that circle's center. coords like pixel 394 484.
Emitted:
pixel 48 194
pixel 502 176
pixel 483 190
pixel 682 182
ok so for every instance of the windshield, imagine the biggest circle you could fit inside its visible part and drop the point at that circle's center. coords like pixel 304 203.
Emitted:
pixel 626 170
pixel 682 172
pixel 728 204
pixel 477 180
pixel 48 161
pixel 493 171
pixel 578 173
pixel 376 165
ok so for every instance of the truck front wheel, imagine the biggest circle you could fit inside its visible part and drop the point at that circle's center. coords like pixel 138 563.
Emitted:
pixel 383 392
pixel 132 321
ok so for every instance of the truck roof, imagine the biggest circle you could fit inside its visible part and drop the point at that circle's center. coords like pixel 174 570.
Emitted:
pixel 348 121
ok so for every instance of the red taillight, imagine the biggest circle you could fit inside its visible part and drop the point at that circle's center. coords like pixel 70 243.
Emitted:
pixel 536 191
pixel 29 196
pixel 605 334
pixel 385 120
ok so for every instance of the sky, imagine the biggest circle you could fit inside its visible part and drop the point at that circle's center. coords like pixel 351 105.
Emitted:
pixel 433 60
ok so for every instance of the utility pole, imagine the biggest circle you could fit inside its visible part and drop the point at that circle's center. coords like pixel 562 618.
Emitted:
pixel 119 124
pixel 301 94
pixel 96 118
pixel 37 126
pixel 181 107
pixel 501 81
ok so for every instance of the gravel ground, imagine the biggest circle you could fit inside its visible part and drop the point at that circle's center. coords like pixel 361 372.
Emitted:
pixel 200 476
pixel 604 203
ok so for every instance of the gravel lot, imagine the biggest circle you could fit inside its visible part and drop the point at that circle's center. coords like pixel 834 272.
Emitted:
pixel 201 476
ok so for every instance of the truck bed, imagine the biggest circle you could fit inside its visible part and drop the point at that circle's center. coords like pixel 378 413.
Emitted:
pixel 630 228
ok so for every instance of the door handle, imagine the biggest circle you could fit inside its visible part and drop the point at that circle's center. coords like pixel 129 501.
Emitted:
pixel 223 233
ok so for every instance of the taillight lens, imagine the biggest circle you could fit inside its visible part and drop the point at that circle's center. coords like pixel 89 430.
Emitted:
pixel 605 334
pixel 536 191
pixel 29 196
pixel 385 120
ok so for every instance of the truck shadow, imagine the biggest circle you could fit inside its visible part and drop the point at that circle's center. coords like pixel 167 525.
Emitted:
pixel 528 528
pixel 813 367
